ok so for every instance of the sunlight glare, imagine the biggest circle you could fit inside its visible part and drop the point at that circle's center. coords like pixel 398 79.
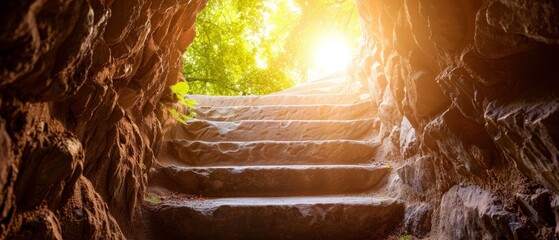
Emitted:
pixel 261 63
pixel 332 54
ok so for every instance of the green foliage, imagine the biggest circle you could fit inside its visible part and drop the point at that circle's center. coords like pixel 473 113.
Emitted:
pixel 248 47
pixel 180 89
pixel 233 52
pixel 153 199
pixel 406 237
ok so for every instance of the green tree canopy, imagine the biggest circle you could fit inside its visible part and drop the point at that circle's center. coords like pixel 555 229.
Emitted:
pixel 248 47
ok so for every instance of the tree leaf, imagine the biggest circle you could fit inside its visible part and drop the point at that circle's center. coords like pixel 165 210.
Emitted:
pixel 180 88
pixel 190 103
pixel 181 98
pixel 180 120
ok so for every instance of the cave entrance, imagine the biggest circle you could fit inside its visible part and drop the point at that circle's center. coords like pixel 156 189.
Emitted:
pixel 258 47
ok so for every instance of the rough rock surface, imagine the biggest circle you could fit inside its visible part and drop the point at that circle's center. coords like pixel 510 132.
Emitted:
pixel 466 94
pixel 79 87
pixel 471 212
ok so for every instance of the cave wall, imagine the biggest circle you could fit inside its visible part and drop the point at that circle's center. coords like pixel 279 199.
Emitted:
pixel 466 92
pixel 80 86
pixel 468 102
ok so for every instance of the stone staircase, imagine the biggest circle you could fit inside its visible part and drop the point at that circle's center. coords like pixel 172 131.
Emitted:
pixel 297 164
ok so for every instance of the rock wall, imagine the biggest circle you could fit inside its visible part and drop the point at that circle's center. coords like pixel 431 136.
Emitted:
pixel 468 104
pixel 80 85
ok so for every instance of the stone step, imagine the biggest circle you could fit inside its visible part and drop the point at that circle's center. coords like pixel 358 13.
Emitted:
pixel 275 218
pixel 323 87
pixel 286 130
pixel 285 180
pixel 280 99
pixel 333 83
pixel 200 153
pixel 361 110
pixel 332 86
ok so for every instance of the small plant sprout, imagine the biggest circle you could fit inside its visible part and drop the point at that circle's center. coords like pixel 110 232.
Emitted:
pixel 406 237
pixel 180 89
pixel 153 199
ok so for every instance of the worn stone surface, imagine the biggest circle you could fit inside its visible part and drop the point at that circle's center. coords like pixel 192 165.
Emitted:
pixel 277 218
pixel 199 153
pixel 285 180
pixel 337 82
pixel 280 99
pixel 254 130
pixel 355 111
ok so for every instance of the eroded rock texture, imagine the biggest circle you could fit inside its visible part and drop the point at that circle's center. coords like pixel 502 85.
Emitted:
pixel 80 83
pixel 468 100
pixel 465 91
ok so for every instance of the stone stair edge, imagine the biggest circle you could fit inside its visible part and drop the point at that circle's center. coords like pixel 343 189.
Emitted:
pixel 375 166
pixel 331 218
pixel 274 95
pixel 318 141
pixel 283 105
pixel 277 120
pixel 351 199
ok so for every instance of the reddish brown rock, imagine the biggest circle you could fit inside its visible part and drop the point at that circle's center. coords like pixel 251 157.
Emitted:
pixel 486 119
pixel 7 180
pixel 36 224
pixel 424 95
pixel 492 41
pixel 471 83
pixel 78 95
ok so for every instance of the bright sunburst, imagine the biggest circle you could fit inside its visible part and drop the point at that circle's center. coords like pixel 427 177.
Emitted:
pixel 332 54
